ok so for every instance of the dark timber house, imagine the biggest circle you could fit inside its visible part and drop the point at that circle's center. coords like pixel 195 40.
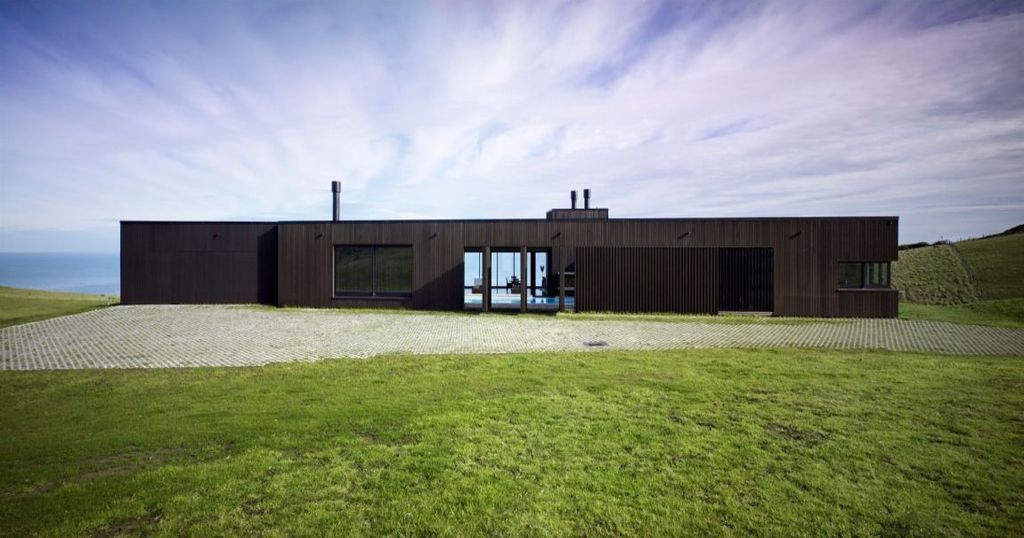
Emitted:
pixel 575 259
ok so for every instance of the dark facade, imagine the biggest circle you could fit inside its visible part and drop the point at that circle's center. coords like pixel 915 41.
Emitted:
pixel 198 262
pixel 787 266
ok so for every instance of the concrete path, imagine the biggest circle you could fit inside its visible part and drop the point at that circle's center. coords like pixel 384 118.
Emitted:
pixel 189 336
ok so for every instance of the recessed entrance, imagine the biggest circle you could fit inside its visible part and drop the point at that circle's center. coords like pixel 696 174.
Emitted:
pixel 745 280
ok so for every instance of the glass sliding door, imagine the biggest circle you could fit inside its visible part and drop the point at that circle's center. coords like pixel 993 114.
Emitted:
pixel 542 290
pixel 506 279
pixel 473 279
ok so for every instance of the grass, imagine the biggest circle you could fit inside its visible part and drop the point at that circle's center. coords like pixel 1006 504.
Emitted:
pixel 693 442
pixel 933 275
pixel 996 313
pixel 934 281
pixel 22 306
pixel 997 265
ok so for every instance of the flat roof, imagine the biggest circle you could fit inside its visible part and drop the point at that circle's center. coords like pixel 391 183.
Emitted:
pixel 412 221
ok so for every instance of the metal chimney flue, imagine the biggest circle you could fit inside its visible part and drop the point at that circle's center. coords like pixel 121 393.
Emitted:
pixel 336 189
pixel 572 197
pixel 586 198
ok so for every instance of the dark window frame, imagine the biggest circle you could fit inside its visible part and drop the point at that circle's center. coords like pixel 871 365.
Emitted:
pixel 866 282
pixel 373 292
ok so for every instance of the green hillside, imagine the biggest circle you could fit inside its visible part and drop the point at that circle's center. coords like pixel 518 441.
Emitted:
pixel 978 281
pixel 933 275
pixel 22 306
pixel 998 265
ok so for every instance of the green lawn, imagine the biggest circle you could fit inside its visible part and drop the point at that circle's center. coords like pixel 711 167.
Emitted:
pixel 22 306
pixel 703 441
pixel 995 313
pixel 997 263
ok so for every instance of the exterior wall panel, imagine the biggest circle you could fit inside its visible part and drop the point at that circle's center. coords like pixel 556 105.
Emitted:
pixel 305 265
pixel 646 279
pixel 184 262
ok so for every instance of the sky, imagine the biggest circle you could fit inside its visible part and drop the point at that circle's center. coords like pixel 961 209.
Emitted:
pixel 248 110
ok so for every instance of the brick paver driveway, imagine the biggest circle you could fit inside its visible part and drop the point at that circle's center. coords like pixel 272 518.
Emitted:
pixel 186 336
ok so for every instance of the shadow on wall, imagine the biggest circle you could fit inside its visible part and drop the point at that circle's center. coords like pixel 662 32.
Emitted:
pixel 441 293
pixel 266 267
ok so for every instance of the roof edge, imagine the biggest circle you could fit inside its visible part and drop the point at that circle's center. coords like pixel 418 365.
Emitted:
pixel 392 221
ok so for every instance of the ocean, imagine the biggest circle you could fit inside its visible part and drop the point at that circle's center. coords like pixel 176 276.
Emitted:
pixel 62 271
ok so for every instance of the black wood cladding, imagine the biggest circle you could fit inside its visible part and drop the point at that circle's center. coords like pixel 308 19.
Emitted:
pixel 171 262
pixel 192 263
pixel 647 279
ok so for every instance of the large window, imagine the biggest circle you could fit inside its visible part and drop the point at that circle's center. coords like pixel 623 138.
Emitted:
pixel 859 275
pixel 372 270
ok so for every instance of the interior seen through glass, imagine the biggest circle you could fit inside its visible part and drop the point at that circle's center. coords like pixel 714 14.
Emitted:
pixel 507 279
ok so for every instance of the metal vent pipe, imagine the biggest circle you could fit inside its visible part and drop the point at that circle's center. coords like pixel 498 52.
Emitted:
pixel 586 198
pixel 336 189
pixel 572 196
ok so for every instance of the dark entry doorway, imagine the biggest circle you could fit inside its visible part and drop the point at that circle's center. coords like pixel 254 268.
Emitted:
pixel 745 279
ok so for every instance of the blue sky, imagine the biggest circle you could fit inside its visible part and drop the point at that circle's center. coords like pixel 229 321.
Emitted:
pixel 247 111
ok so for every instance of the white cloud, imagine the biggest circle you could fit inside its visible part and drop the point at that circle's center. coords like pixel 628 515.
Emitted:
pixel 239 112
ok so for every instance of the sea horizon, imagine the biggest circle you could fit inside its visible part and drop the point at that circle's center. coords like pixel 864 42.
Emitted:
pixel 76 272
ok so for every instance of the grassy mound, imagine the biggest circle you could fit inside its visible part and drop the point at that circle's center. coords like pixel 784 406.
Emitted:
pixel 700 442
pixel 937 281
pixel 22 306
pixel 933 275
pixel 998 265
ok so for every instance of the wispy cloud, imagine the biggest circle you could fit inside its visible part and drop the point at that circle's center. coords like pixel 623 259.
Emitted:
pixel 246 111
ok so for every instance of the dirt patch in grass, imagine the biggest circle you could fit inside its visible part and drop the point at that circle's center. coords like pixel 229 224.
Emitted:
pixel 112 465
pixel 792 433
pixel 253 506
pixel 129 525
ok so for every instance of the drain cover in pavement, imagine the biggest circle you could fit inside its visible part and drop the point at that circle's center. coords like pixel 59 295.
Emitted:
pixel 596 343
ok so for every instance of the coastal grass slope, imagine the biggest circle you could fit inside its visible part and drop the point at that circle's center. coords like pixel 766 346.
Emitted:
pixel 19 305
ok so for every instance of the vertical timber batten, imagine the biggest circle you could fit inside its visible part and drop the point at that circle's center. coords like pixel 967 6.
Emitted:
pixel 646 279
pixel 291 263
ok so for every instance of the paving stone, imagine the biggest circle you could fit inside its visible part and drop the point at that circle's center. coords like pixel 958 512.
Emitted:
pixel 190 336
